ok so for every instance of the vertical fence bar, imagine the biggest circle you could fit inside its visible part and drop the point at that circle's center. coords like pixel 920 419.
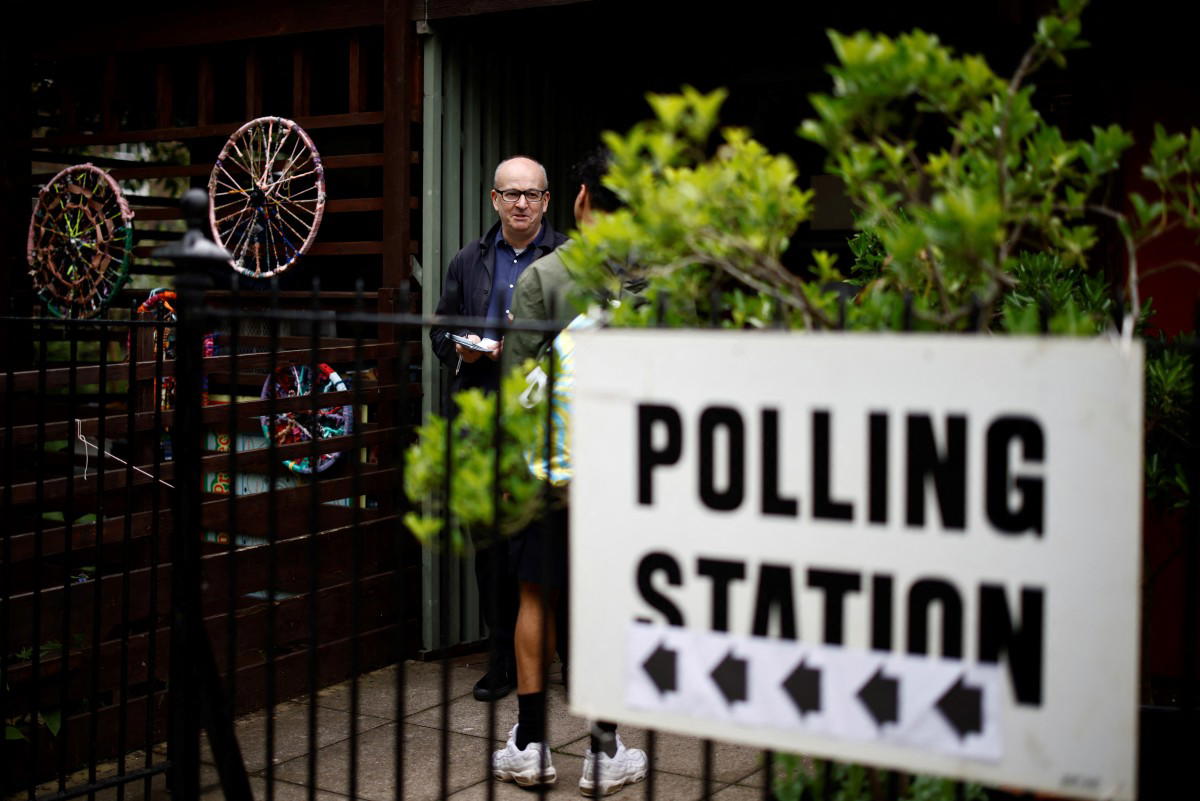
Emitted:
pixel 6 504
pixel 272 535
pixel 400 421
pixel 549 602
pixel 652 772
pixel 768 792
pixel 707 771
pixel 39 459
pixel 68 535
pixel 98 574
pixel 126 543
pixel 231 549
pixel 35 733
pixel 187 625
pixel 493 585
pixel 356 547
pixel 1191 592
pixel 158 442
pixel 443 607
pixel 314 528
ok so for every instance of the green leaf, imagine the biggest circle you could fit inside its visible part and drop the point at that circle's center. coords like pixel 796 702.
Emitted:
pixel 13 733
pixel 52 720
pixel 1147 213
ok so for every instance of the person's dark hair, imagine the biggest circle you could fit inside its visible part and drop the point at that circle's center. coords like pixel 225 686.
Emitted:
pixel 590 171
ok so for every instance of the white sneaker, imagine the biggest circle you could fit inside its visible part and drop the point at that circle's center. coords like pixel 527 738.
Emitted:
pixel 526 768
pixel 627 767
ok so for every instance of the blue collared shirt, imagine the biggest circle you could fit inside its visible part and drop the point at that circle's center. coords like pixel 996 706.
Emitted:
pixel 507 266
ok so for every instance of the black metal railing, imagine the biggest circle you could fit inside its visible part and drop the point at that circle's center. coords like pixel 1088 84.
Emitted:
pixel 226 579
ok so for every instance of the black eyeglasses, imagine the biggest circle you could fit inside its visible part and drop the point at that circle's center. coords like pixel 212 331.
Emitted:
pixel 531 195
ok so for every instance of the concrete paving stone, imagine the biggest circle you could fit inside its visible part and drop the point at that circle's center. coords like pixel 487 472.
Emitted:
pixel 755 779
pixel 133 791
pixel 376 764
pixel 675 753
pixel 668 786
pixel 738 792
pixel 286 791
pixel 422 690
pixel 468 716
pixel 291 733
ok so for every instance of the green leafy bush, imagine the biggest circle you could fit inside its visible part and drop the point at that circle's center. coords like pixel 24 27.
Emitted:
pixel 472 465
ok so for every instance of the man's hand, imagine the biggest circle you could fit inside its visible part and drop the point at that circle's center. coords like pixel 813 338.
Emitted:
pixel 495 354
pixel 469 356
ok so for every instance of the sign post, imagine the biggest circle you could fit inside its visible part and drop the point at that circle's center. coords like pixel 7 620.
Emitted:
pixel 917 552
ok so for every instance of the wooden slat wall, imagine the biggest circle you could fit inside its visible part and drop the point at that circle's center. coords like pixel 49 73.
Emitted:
pixel 104 587
pixel 351 79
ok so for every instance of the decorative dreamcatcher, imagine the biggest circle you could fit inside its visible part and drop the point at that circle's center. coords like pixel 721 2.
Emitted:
pixel 299 426
pixel 163 299
pixel 80 241
pixel 266 196
pixel 161 304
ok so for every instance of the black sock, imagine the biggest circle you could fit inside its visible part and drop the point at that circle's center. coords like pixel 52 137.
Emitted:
pixel 607 742
pixel 531 719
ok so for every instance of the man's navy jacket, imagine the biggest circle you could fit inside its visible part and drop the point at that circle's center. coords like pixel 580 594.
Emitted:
pixel 465 292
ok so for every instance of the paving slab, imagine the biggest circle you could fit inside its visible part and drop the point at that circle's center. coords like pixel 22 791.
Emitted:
pixel 737 792
pixel 132 791
pixel 291 733
pixel 737 773
pixel 422 688
pixel 376 764
pixel 468 716
pixel 668 786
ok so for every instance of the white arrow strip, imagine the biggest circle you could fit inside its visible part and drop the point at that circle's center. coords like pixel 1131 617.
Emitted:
pixel 923 681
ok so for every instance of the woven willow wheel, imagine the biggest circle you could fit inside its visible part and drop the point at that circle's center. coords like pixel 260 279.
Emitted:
pixel 80 241
pixel 266 196
pixel 300 425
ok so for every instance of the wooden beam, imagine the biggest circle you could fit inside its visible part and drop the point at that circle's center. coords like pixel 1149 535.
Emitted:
pixel 27 380
pixel 136 172
pixel 195 132
pixel 163 26
pixel 443 9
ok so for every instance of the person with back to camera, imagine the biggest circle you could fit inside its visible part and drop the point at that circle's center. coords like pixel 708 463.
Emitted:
pixel 542 293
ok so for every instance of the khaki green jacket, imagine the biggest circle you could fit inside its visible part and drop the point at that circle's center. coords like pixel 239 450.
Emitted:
pixel 542 293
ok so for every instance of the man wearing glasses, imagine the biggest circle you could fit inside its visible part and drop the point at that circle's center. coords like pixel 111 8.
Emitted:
pixel 479 283
pixel 481 276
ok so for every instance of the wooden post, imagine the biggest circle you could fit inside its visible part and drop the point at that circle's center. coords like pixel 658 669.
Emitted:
pixel 398 44
pixel 15 176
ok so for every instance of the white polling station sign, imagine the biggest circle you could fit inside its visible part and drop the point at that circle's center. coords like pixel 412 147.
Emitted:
pixel 917 552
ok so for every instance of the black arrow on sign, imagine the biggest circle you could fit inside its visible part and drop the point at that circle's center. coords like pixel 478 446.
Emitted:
pixel 962 707
pixel 881 696
pixel 660 666
pixel 730 676
pixel 803 686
